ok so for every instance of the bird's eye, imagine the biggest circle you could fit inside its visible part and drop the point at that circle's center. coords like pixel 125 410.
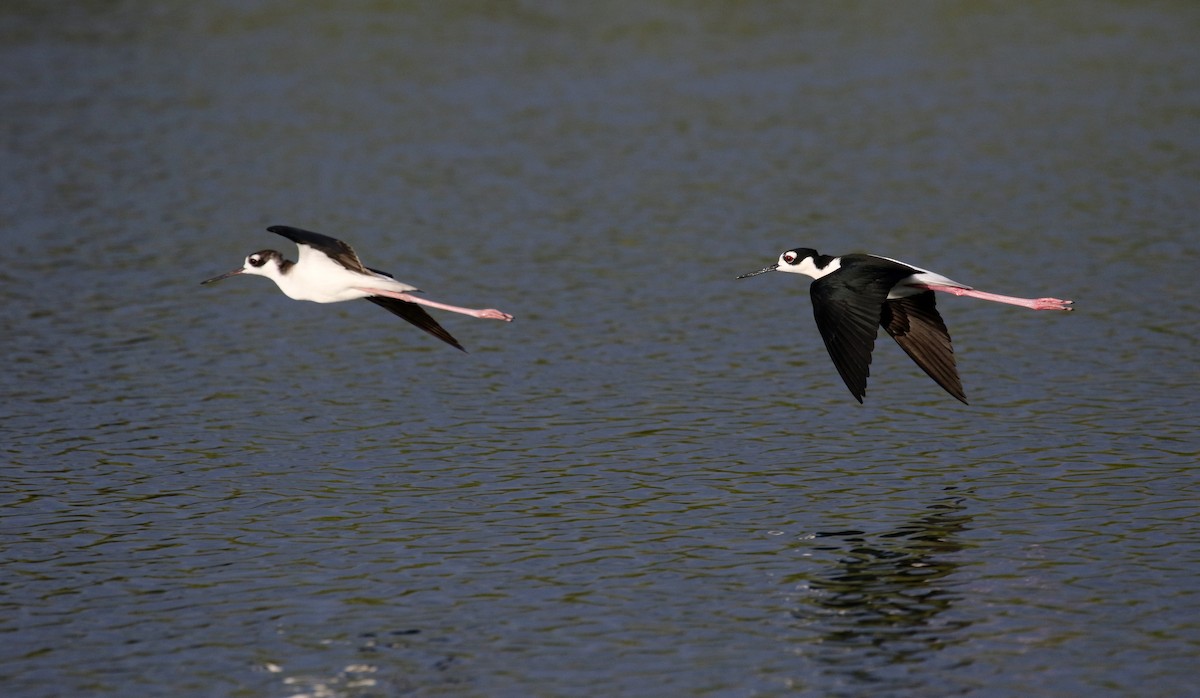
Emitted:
pixel 789 257
pixel 256 261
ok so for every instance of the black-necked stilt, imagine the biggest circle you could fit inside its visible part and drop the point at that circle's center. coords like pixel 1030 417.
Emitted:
pixel 854 294
pixel 328 271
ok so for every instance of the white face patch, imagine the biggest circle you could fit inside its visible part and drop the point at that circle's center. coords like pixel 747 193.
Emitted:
pixel 788 262
pixel 261 264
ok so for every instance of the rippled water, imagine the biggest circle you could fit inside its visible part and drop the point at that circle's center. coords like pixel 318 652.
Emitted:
pixel 653 482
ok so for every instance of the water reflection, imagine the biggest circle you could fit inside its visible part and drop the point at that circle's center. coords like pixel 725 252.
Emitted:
pixel 394 662
pixel 884 607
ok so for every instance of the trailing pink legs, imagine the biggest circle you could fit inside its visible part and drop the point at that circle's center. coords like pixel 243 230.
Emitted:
pixel 1035 303
pixel 485 314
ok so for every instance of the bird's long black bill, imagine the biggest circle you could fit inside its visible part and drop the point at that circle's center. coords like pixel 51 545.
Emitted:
pixel 760 271
pixel 226 275
pixel 415 314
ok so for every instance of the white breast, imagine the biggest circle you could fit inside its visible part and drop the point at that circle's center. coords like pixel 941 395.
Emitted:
pixel 319 279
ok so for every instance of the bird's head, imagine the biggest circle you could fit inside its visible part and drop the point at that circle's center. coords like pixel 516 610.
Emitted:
pixel 801 260
pixel 268 263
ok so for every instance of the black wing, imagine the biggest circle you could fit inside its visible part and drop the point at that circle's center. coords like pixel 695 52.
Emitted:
pixel 917 327
pixel 335 249
pixel 417 316
pixel 848 308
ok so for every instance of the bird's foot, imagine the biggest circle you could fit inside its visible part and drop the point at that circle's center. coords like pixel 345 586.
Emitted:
pixel 1052 304
pixel 492 314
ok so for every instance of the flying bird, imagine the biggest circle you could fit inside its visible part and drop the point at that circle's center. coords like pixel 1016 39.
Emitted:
pixel 328 270
pixel 854 294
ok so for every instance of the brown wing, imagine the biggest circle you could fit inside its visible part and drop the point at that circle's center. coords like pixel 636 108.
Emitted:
pixel 847 305
pixel 417 316
pixel 917 327
pixel 847 310
pixel 333 248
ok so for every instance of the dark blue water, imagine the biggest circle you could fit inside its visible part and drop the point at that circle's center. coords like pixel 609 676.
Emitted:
pixel 653 482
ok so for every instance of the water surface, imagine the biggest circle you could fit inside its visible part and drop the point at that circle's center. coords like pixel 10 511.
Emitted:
pixel 653 482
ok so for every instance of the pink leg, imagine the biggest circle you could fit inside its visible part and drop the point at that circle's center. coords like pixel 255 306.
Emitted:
pixel 486 314
pixel 1035 303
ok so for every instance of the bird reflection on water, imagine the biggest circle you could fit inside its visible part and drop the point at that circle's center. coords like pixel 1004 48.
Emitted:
pixel 885 608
